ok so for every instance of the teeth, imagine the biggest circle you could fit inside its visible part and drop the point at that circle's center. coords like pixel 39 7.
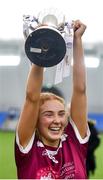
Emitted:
pixel 55 129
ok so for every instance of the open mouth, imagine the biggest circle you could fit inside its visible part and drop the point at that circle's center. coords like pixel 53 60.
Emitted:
pixel 56 129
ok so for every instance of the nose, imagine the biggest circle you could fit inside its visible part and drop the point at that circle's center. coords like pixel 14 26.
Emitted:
pixel 57 119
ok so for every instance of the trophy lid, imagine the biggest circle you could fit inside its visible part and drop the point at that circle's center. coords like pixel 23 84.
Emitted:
pixel 52 15
pixel 51 20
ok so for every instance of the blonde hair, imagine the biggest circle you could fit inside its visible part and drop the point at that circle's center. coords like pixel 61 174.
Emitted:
pixel 45 96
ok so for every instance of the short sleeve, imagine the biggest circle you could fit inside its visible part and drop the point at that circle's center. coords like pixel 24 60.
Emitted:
pixel 28 147
pixel 80 139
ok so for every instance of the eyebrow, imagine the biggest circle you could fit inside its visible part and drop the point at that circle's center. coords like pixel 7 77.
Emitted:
pixel 50 111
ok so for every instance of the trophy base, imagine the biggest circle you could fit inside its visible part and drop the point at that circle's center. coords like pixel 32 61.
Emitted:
pixel 45 46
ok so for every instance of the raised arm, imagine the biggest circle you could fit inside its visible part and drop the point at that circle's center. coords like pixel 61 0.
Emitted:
pixel 79 98
pixel 29 115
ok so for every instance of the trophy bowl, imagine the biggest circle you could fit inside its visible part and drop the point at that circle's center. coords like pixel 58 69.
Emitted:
pixel 44 45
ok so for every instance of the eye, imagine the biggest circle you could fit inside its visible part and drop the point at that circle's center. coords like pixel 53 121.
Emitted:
pixel 48 114
pixel 62 113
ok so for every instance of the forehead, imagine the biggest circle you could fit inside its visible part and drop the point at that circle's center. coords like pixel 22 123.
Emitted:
pixel 51 105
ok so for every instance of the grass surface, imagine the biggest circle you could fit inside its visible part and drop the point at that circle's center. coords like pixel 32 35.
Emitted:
pixel 7 162
pixel 99 161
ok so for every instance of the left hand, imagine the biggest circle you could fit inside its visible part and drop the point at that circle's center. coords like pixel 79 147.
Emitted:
pixel 79 28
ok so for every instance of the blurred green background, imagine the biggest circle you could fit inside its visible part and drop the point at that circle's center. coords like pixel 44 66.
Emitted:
pixel 7 161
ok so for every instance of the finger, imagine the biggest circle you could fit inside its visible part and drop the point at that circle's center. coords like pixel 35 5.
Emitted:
pixel 78 25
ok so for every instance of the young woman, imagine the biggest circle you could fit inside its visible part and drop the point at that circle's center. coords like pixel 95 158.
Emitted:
pixel 47 145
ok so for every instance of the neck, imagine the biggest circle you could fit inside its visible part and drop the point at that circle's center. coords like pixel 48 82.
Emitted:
pixel 50 143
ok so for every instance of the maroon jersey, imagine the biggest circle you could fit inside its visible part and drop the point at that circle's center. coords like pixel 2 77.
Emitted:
pixel 68 161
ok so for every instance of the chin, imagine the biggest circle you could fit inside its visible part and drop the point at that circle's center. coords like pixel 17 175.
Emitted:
pixel 55 138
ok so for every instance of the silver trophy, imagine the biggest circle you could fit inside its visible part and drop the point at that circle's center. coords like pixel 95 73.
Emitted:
pixel 45 43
